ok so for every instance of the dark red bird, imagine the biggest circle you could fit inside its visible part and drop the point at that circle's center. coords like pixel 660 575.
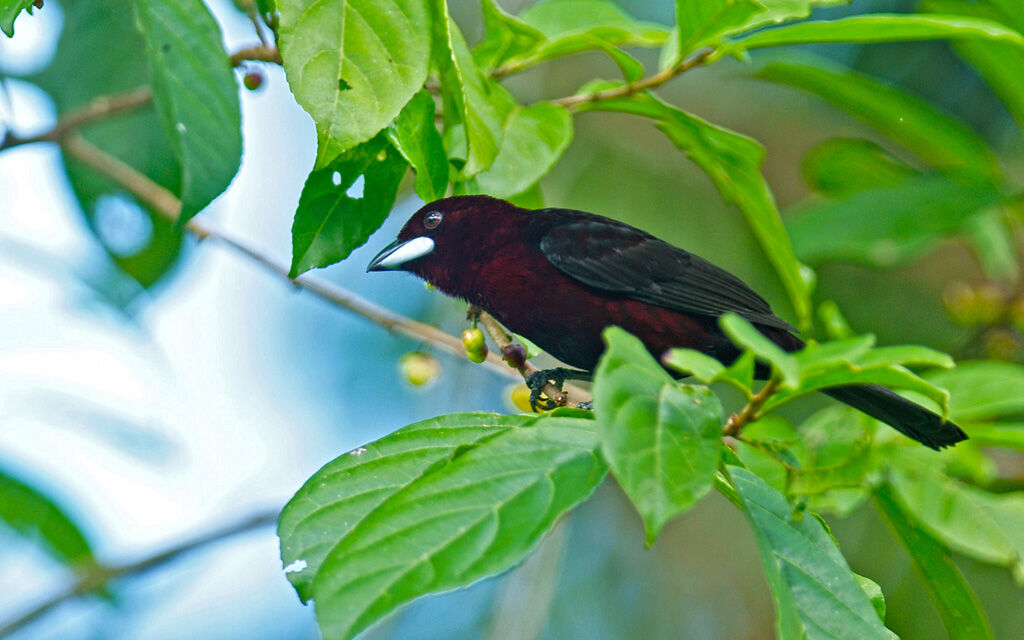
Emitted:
pixel 559 277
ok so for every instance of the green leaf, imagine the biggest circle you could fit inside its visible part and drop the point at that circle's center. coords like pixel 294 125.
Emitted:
pixel 733 162
pixel 694 363
pixel 906 355
pixel 779 11
pixel 816 595
pixel 816 356
pixel 841 167
pixel 505 37
pixel 908 120
pixel 662 440
pixel 852 373
pixel 744 335
pixel 959 607
pixel 983 390
pixel 978 524
pixel 473 103
pixel 414 135
pixel 395 531
pixel 918 212
pixel 334 216
pixel 9 10
pixel 534 140
pixel 701 21
pixel 348 489
pixel 1010 436
pixel 877 27
pixel 832 318
pixel 874 593
pixel 101 52
pixel 990 236
pixel 353 64
pixel 601 18
pixel 196 95
pixel 31 513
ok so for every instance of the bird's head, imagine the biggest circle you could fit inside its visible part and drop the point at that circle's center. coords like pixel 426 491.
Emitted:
pixel 445 239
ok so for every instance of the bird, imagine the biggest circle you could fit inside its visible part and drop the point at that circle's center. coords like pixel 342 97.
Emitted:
pixel 558 277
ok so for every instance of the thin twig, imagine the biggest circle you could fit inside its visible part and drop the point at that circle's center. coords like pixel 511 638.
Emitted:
pixel 259 53
pixel 650 82
pixel 569 394
pixel 749 413
pixel 100 575
pixel 165 203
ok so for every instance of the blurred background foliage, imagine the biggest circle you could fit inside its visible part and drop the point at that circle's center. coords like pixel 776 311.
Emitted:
pixel 150 387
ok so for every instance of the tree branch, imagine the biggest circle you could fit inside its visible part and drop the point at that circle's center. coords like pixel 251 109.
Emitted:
pixel 100 575
pixel 734 425
pixel 165 203
pixel 650 82
pixel 259 53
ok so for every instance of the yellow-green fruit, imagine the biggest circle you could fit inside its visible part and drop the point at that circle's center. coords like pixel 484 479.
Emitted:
pixel 473 340
pixel 477 356
pixel 419 368
pixel 520 397
pixel 958 298
pixel 1001 344
pixel 989 303
pixel 1017 314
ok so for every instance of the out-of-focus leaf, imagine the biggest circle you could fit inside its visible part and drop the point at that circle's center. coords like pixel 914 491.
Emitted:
pixel 427 510
pixel 978 524
pixel 745 336
pixel 700 21
pixel 414 135
pixel 343 203
pixel 9 10
pixel 906 355
pixel 841 167
pixel 983 390
pixel 816 595
pixel 100 52
pixel 999 63
pixel 992 241
pixel 31 513
pixel 699 365
pixel 779 11
pixel 916 213
pixel 835 324
pixel 196 95
pixel 474 104
pixel 662 440
pixel 353 64
pixel 959 607
pixel 999 435
pixel 829 354
pixel 534 140
pixel 505 37
pixel 733 162
pixel 885 375
pixel 602 18
pixel 878 27
pixel 917 125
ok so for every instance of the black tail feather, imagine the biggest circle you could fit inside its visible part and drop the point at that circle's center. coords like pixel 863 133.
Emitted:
pixel 903 415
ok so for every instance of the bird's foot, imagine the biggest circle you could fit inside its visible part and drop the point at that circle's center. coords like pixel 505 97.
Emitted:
pixel 540 379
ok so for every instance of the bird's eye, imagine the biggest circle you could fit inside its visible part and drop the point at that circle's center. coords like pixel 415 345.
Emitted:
pixel 432 219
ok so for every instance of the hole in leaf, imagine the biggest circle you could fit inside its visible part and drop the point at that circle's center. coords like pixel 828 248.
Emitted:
pixel 336 178
pixel 342 85
pixel 122 225
pixel 356 190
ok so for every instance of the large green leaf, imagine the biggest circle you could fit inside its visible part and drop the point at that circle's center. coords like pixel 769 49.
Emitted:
pixel 100 52
pixel 918 211
pixel 937 138
pixel 878 27
pixel 745 336
pixel 959 607
pixel 31 513
pixel 733 162
pixel 196 96
pixel 662 440
pixel 983 390
pixel 534 140
pixel 603 18
pixel 416 137
pixel 336 215
pixel 9 10
pixel 779 11
pixel 432 507
pixel 816 595
pixel 353 64
pixel 505 37
pixel 976 523
pixel 475 106
pixel 999 63
pixel 700 21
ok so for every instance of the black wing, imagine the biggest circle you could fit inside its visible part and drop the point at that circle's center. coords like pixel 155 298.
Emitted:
pixel 618 258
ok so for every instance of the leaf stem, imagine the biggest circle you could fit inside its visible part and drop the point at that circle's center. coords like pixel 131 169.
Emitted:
pixel 99 575
pixel 643 84
pixel 734 425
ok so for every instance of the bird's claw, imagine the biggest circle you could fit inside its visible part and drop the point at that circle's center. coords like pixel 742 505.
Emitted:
pixel 537 380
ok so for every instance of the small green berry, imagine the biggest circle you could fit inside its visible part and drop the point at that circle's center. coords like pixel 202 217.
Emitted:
pixel 419 368
pixel 473 340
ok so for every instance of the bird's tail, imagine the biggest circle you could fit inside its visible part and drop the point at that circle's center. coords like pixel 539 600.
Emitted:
pixel 903 415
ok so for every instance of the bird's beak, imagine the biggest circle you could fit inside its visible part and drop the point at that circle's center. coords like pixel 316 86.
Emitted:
pixel 401 252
